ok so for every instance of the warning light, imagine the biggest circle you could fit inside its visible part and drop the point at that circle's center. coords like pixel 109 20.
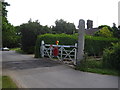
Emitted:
pixel 57 42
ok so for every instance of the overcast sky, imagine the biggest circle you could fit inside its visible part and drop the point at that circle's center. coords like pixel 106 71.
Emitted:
pixel 102 12
pixel 119 13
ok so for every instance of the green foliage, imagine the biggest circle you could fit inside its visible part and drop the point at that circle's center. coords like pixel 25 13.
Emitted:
pixel 14 49
pixel 113 30
pixel 93 45
pixel 8 83
pixel 104 32
pixel 96 45
pixel 9 37
pixel 91 63
pixel 119 27
pixel 4 11
pixel 100 27
pixel 20 51
pixel 95 66
pixel 111 56
pixel 64 27
pixel 116 31
pixel 29 32
pixel 103 71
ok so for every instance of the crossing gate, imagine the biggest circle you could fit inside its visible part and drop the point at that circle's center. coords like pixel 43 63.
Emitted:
pixel 61 52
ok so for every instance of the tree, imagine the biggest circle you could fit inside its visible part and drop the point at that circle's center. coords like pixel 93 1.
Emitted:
pixel 0 24
pixel 119 27
pixel 113 29
pixel 29 32
pixel 45 29
pixel 100 27
pixel 116 31
pixel 4 11
pixel 9 37
pixel 62 26
pixel 104 32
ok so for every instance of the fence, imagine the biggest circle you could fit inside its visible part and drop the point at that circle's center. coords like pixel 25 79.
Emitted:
pixel 61 52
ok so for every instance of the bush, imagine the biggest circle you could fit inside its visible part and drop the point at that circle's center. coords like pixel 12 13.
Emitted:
pixel 111 57
pixel 29 32
pixel 93 45
pixel 104 32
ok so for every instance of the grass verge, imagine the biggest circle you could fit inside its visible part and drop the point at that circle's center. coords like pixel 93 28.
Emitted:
pixel 95 66
pixel 18 50
pixel 14 49
pixel 0 82
pixel 99 71
pixel 8 83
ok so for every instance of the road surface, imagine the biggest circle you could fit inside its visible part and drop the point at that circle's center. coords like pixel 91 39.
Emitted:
pixel 29 72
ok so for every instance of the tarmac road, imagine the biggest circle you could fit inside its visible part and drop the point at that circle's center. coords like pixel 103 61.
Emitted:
pixel 29 72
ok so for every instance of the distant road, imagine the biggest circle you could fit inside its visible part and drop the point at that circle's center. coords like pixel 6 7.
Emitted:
pixel 29 72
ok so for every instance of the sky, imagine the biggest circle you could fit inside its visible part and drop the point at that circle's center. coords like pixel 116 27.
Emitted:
pixel 119 13
pixel 102 12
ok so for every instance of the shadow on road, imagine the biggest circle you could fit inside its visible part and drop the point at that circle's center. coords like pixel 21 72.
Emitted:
pixel 28 64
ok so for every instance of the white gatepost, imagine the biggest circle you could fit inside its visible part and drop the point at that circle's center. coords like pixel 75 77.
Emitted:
pixel 75 58
pixel 42 48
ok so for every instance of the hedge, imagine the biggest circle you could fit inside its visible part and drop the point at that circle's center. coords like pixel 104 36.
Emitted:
pixel 96 45
pixel 111 56
pixel 93 45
